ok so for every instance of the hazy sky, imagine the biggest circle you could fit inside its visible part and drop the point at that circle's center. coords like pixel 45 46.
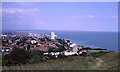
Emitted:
pixel 86 16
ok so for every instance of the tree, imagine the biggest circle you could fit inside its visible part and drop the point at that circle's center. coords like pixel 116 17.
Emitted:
pixel 68 41
pixel 36 56
pixel 61 48
pixel 19 56
pixel 52 49
pixel 61 41
pixel 28 47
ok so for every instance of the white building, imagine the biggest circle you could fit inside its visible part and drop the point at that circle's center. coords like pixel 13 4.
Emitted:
pixel 53 35
pixel 3 35
pixel 69 53
pixel 74 46
pixel 33 41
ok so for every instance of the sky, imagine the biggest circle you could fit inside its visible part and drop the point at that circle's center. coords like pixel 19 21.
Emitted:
pixel 77 16
pixel 60 0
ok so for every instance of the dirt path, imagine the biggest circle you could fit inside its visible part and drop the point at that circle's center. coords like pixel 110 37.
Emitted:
pixel 100 64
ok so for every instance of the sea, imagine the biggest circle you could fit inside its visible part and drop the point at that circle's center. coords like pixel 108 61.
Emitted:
pixel 93 39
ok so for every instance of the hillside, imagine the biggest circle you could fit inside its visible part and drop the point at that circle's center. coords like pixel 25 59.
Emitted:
pixel 105 62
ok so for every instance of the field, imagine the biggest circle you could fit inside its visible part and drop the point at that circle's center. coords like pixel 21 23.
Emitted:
pixel 107 61
pixel 0 61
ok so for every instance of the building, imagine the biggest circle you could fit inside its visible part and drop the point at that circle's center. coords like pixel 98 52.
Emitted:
pixel 74 47
pixel 33 41
pixel 53 35
pixel 6 50
pixel 70 53
pixel 3 35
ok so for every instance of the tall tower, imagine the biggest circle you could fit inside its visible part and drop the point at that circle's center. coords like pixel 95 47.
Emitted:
pixel 52 35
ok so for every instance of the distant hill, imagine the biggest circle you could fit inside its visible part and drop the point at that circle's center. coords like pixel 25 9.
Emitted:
pixel 107 61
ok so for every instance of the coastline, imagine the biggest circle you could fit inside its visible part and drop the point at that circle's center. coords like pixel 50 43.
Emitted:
pixel 64 49
pixel 93 39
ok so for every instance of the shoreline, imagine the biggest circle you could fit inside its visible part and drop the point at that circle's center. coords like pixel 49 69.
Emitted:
pixel 86 45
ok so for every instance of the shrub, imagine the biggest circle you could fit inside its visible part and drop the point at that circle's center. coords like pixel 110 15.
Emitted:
pixel 61 56
pixel 52 49
pixel 35 59
pixel 36 56
pixel 51 57
pixel 84 54
pixel 98 54
pixel 19 56
pixel 5 60
pixel 36 53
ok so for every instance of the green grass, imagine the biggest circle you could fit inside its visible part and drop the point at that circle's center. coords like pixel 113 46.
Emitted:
pixel 111 60
pixel 104 62
pixel 0 61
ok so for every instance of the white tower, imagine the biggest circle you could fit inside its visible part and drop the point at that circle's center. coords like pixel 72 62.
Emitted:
pixel 53 35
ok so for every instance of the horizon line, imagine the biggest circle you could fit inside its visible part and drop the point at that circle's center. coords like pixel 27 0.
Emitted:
pixel 56 30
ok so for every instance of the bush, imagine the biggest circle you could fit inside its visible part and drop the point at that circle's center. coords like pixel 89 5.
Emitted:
pixel 35 59
pixel 98 54
pixel 36 56
pixel 5 60
pixel 52 49
pixel 51 57
pixel 36 53
pixel 84 54
pixel 61 56
pixel 18 56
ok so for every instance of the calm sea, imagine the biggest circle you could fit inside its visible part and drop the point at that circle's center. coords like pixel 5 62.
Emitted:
pixel 107 40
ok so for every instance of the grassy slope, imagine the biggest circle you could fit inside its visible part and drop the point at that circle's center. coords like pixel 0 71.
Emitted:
pixel 107 61
pixel 0 61
pixel 110 60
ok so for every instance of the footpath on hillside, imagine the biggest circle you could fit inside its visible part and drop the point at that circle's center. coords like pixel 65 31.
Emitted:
pixel 99 64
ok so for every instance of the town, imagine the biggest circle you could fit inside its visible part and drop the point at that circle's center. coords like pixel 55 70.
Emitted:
pixel 49 44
